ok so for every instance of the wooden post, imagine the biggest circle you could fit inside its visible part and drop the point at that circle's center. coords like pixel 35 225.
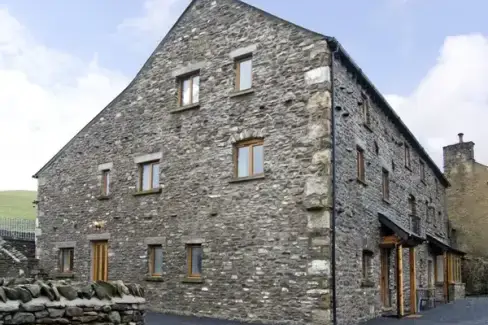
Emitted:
pixel 400 306
pixel 446 277
pixel 413 282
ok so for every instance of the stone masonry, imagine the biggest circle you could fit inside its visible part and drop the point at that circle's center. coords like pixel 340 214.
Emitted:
pixel 357 224
pixel 266 240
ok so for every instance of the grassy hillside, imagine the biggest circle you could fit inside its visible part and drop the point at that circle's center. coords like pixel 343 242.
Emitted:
pixel 17 204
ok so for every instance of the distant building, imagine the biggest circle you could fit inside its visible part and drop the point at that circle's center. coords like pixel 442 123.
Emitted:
pixel 468 210
pixel 219 177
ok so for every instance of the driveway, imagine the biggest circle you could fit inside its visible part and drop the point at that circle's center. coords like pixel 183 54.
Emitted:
pixel 469 311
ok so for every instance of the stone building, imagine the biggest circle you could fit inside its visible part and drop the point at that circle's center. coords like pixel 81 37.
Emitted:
pixel 249 171
pixel 468 210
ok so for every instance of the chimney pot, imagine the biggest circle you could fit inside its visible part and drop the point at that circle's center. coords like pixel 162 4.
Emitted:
pixel 460 135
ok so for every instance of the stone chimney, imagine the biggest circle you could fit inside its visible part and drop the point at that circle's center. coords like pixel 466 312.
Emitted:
pixel 457 153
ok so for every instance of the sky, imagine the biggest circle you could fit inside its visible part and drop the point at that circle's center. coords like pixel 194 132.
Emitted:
pixel 61 62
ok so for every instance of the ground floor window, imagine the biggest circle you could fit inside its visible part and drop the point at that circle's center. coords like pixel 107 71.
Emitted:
pixel 439 268
pixel 194 260
pixel 455 269
pixel 155 260
pixel 66 260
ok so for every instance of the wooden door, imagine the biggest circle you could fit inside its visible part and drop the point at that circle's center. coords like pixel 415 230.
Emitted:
pixel 100 260
pixel 385 277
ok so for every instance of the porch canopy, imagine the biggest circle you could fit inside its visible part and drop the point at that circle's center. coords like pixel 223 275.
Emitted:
pixel 441 246
pixel 406 237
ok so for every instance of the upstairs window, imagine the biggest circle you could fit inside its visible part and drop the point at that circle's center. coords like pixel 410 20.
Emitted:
pixel 427 212
pixel 366 110
pixel 412 205
pixel 189 91
pixel 422 171
pixel 360 167
pixel 66 260
pixel 105 182
pixel 407 156
pixel 385 185
pixel 155 260
pixel 194 260
pixel 249 158
pixel 149 176
pixel 243 68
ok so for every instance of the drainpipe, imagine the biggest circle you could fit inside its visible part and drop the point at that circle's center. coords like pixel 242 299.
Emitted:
pixel 336 45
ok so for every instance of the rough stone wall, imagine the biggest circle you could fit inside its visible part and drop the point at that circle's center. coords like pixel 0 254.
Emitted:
pixel 26 301
pixel 26 247
pixel 265 241
pixel 475 274
pixel 358 204
pixel 17 257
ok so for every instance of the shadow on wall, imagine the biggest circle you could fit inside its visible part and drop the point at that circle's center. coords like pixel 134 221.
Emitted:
pixel 475 275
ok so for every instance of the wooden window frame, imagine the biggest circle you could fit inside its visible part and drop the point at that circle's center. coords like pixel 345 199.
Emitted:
pixel 237 68
pixel 251 144
pixel 106 182
pixel 367 264
pixel 71 252
pixel 360 165
pixel 141 176
pixel 189 260
pixel 408 157
pixel 422 171
pixel 181 81
pixel 385 184
pixel 152 260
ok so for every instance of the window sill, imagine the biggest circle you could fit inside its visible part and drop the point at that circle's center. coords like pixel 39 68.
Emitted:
pixel 154 278
pixel 153 191
pixel 64 275
pixel 185 108
pixel 246 179
pixel 367 127
pixel 103 197
pixel 367 284
pixel 360 181
pixel 236 93
pixel 193 280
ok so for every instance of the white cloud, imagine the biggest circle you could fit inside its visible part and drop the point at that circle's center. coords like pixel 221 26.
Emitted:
pixel 156 19
pixel 451 98
pixel 46 97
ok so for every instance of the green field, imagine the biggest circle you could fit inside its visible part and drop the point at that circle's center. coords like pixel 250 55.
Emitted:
pixel 17 204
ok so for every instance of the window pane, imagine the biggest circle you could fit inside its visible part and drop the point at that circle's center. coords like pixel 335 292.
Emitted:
pixel 196 260
pixel 258 160
pixel 158 260
pixel 185 92
pixel 245 74
pixel 66 260
pixel 243 162
pixel 146 174
pixel 107 183
pixel 155 175
pixel 196 89
pixel 440 268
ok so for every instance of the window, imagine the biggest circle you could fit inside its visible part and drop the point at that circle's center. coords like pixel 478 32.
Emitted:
pixel 366 110
pixel 155 260
pixel 432 216
pixel 360 164
pixel 412 204
pixel 407 156
pixel 106 182
pixel 189 90
pixel 367 259
pixel 430 273
pixel 386 185
pixel 149 176
pixel 427 212
pixel 194 260
pixel 439 218
pixel 243 73
pixel 439 268
pixel 422 171
pixel 249 158
pixel 66 260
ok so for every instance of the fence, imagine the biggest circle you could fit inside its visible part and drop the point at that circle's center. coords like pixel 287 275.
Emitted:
pixel 17 228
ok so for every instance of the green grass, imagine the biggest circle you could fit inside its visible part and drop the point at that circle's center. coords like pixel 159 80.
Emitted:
pixel 17 204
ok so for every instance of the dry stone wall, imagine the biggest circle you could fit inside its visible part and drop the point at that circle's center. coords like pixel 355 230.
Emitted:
pixel 26 301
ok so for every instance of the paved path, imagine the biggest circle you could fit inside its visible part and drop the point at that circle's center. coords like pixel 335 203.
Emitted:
pixel 470 311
